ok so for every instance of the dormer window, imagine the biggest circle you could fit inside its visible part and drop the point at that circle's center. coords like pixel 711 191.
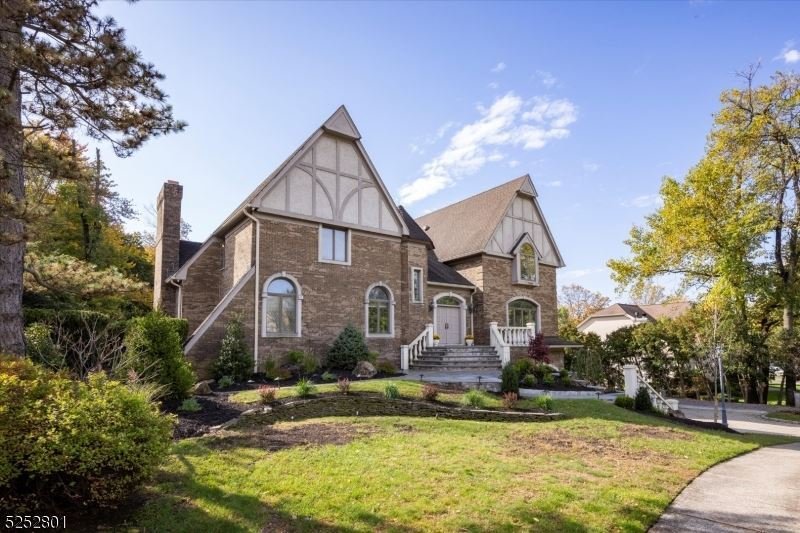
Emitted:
pixel 526 262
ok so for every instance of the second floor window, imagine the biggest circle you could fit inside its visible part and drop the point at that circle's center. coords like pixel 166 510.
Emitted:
pixel 333 245
pixel 416 285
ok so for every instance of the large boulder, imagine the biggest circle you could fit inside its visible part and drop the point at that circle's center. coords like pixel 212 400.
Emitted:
pixel 203 388
pixel 364 369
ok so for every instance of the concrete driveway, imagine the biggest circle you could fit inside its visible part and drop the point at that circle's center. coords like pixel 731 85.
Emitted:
pixel 759 491
pixel 747 418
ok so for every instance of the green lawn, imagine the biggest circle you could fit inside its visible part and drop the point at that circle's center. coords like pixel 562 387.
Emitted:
pixel 787 416
pixel 603 469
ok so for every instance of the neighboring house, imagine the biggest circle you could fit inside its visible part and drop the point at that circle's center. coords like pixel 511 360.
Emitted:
pixel 320 243
pixel 618 316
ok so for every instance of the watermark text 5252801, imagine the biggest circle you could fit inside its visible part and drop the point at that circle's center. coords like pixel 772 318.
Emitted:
pixel 34 522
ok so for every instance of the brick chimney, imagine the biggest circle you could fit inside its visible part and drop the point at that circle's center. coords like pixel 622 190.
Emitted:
pixel 168 236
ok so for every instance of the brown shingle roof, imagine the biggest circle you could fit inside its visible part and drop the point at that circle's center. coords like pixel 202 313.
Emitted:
pixel 464 228
pixel 668 310
pixel 414 231
pixel 438 272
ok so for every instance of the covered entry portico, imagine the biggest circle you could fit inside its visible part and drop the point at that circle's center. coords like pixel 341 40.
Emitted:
pixel 450 318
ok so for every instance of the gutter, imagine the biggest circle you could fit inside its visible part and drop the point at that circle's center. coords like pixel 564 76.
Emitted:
pixel 179 299
pixel 248 214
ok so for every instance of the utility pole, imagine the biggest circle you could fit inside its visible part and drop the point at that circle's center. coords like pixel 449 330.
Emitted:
pixel 722 387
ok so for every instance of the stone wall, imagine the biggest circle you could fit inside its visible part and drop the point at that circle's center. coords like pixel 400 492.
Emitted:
pixel 239 248
pixel 202 288
pixel 374 405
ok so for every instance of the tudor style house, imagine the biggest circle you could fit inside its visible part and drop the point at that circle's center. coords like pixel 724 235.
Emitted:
pixel 320 244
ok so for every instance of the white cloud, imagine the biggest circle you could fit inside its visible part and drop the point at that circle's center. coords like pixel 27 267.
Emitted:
pixel 591 167
pixel 645 200
pixel 494 85
pixel 547 79
pixel 513 163
pixel 554 183
pixel 416 149
pixel 500 67
pixel 789 54
pixel 509 121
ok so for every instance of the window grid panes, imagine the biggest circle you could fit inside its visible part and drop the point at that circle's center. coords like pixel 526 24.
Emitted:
pixel 378 311
pixel 281 307
pixel 416 282
pixel 520 312
pixel 333 244
pixel 527 262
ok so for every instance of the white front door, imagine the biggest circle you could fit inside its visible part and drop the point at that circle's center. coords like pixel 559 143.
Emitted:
pixel 448 325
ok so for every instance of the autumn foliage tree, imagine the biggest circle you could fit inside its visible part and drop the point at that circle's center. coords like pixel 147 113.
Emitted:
pixel 62 68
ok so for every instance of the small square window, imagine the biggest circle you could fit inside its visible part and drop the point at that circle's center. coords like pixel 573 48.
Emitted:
pixel 333 245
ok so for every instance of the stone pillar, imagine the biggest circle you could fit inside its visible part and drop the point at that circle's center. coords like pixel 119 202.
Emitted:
pixel 631 380
pixel 168 237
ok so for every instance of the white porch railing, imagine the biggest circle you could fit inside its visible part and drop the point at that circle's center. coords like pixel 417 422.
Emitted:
pixel 517 336
pixel 497 340
pixel 410 352
pixel 634 380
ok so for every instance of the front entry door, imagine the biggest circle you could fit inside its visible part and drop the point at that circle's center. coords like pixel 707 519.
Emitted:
pixel 448 325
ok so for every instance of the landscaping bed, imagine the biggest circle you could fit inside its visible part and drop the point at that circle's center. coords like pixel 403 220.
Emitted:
pixel 315 378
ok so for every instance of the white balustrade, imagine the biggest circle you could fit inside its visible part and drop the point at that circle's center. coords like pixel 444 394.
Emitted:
pixel 410 352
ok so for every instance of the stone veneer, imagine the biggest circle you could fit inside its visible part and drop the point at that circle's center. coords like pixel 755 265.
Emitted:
pixel 167 246
pixel 202 288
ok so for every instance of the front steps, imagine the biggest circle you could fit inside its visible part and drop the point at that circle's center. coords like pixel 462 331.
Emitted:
pixel 456 358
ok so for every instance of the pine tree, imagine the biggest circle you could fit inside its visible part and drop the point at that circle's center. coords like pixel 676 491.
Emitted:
pixel 62 68
pixel 348 349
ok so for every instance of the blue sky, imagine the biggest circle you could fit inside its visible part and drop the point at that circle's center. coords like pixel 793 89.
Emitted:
pixel 596 101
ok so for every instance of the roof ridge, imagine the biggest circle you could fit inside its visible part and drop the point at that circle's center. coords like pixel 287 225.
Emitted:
pixel 475 195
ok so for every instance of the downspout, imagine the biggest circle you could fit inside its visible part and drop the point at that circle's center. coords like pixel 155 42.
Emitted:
pixel 178 299
pixel 472 312
pixel 257 284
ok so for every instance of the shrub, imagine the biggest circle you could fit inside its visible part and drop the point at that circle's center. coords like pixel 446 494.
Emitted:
pixel 39 347
pixel 528 381
pixel 539 371
pixel 510 400
pixel 305 388
pixel 537 349
pixel 327 376
pixel 563 373
pixel 566 380
pixel 544 402
pixel 391 391
pixel 155 353
pixel 234 358
pixel 372 357
pixel 273 371
pixel 510 379
pixel 190 405
pixel 267 394
pixel 429 392
pixel 343 385
pixel 524 366
pixel 225 381
pixel 306 362
pixel 88 443
pixel 385 366
pixel 642 402
pixel 626 402
pixel 548 378
pixel 348 349
pixel 474 398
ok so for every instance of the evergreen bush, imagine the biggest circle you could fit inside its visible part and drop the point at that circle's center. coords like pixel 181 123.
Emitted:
pixel 234 358
pixel 642 401
pixel 510 379
pixel 348 349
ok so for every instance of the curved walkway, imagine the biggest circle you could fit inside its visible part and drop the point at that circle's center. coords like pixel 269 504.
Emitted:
pixel 758 491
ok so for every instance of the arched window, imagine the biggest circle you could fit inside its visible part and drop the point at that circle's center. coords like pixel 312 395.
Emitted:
pixel 380 311
pixel 521 312
pixel 527 262
pixel 281 307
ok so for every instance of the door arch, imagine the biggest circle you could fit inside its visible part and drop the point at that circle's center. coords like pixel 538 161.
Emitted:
pixel 450 317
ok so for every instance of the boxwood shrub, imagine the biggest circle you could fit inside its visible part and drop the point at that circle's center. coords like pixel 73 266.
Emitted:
pixel 87 443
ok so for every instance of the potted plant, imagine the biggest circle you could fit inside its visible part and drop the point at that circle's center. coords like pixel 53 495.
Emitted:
pixel 436 338
pixel 470 340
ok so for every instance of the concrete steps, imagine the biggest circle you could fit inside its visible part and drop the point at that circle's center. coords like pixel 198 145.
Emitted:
pixel 457 358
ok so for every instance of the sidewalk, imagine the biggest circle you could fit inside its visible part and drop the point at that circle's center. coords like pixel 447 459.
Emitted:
pixel 758 491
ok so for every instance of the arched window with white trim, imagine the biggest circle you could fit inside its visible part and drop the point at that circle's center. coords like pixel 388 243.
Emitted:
pixel 521 312
pixel 526 262
pixel 281 307
pixel 379 311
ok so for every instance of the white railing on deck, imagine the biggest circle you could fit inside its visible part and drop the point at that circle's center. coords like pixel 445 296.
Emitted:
pixel 635 380
pixel 410 352
pixel 497 340
pixel 517 336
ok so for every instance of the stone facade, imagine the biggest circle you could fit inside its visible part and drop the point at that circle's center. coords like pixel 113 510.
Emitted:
pixel 168 236
pixel 238 250
pixel 202 289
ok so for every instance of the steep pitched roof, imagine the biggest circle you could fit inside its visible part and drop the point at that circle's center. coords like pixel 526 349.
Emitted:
pixel 438 272
pixel 464 228
pixel 186 249
pixel 414 231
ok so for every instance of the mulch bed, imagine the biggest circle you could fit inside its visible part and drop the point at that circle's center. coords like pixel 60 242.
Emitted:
pixel 261 379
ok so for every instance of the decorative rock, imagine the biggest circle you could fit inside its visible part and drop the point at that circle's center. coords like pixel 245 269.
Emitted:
pixel 203 388
pixel 364 369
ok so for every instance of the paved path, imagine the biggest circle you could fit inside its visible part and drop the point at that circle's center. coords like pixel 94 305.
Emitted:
pixel 748 418
pixel 759 491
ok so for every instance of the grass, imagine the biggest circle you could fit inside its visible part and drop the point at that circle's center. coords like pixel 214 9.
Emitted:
pixel 603 469
pixel 786 416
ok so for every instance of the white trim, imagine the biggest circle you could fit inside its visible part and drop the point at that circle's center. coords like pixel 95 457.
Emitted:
pixel 367 334
pixel 421 285
pixel 516 271
pixel 180 274
pixel 298 298
pixel 214 315
pixel 463 308
pixel 348 239
pixel 538 311
pixel 454 285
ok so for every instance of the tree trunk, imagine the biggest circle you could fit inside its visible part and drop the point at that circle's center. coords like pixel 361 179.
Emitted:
pixel 12 243
pixel 791 386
